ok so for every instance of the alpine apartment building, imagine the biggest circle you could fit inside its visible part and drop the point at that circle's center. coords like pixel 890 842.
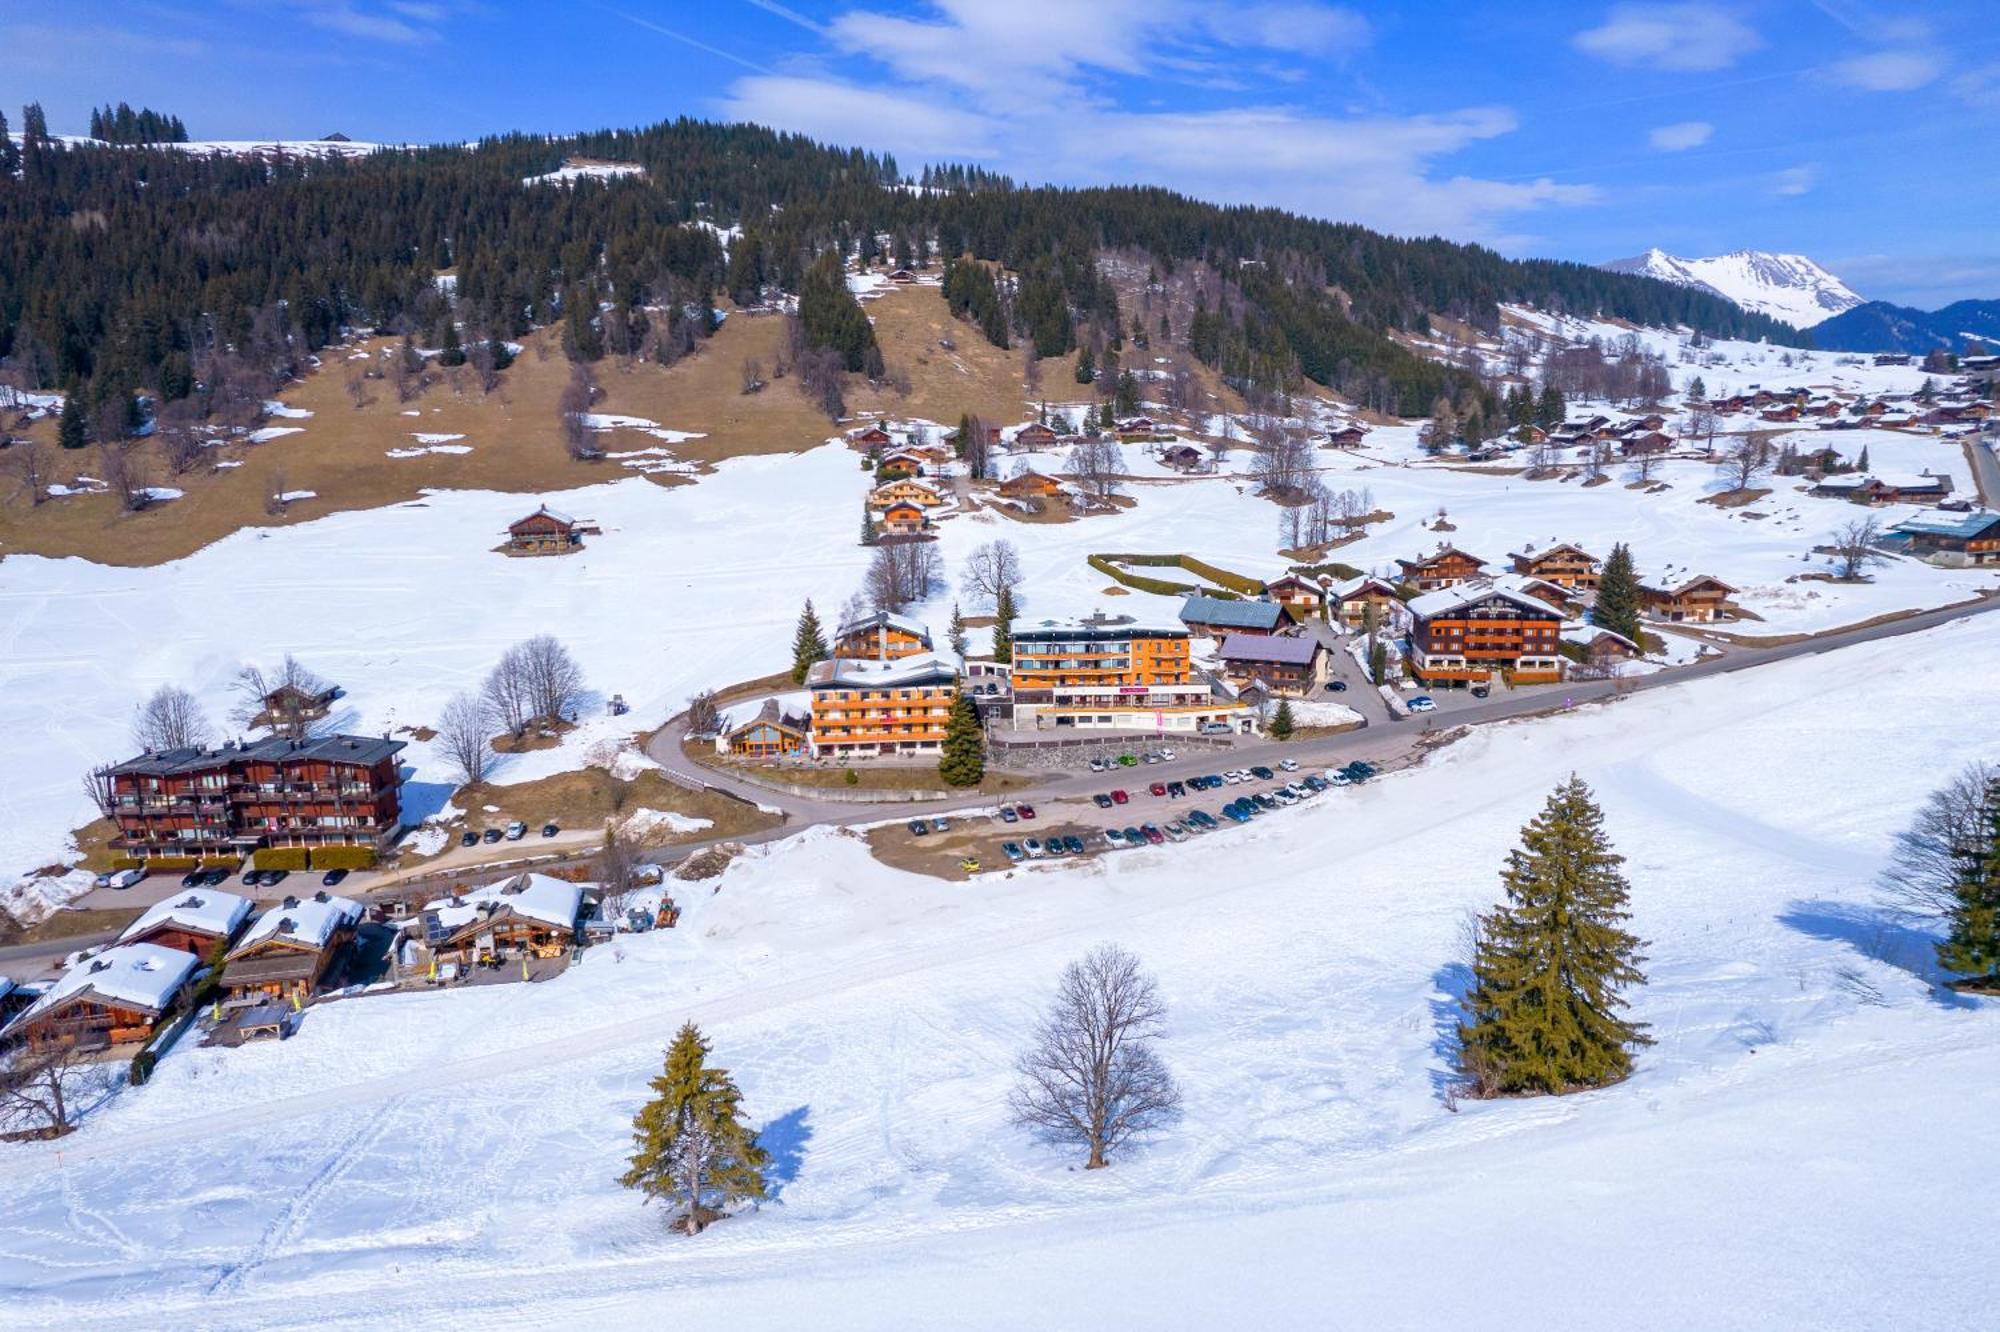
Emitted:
pixel 1113 673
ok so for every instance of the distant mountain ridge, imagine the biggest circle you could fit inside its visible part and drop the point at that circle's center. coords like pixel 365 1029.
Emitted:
pixel 1789 287
pixel 1878 326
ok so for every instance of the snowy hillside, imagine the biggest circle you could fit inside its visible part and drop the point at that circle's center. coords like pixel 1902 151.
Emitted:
pixel 1784 1156
pixel 1790 287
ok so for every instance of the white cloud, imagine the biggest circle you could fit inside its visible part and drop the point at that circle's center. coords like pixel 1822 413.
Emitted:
pixel 1682 37
pixel 1979 87
pixel 1681 137
pixel 845 114
pixel 1306 29
pixel 1794 181
pixel 1887 71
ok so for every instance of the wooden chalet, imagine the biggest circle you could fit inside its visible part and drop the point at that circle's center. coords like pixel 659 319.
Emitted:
pixel 903 519
pixel 882 636
pixel 1464 635
pixel 1353 598
pixel 529 915
pixel 1181 457
pixel 1220 617
pixel 871 437
pixel 1954 540
pixel 1283 665
pixel 1565 565
pixel 867 708
pixel 1651 441
pixel 290 706
pixel 902 276
pixel 1032 486
pixel 287 953
pixel 1528 434
pixel 1549 594
pixel 1035 435
pixel 193 921
pixel 1789 412
pixel 1922 489
pixel 1702 599
pixel 1140 427
pixel 1600 649
pixel 905 490
pixel 1304 597
pixel 1346 437
pixel 1446 567
pixel 770 734
pixel 547 532
pixel 904 462
pixel 116 997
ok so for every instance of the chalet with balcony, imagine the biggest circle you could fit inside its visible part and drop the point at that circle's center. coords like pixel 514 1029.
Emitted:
pixel 882 636
pixel 219 804
pixel 865 708
pixel 903 520
pixel 1218 617
pixel 1448 566
pixel 870 437
pixel 293 708
pixel 1181 457
pixel 287 952
pixel 772 733
pixel 1467 634
pixel 905 490
pixel 1353 597
pixel 1033 487
pixel 1702 599
pixel 1924 488
pixel 1644 442
pixel 1113 672
pixel 1283 666
pixel 547 532
pixel 116 997
pixel 529 915
pixel 1564 565
pixel 1142 427
pixel 1598 649
pixel 193 920
pixel 1035 435
pixel 1304 597
pixel 1953 540
pixel 1346 437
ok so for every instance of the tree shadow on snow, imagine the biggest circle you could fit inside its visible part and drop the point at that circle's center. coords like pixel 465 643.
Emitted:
pixel 1881 935
pixel 1453 981
pixel 422 800
pixel 785 1138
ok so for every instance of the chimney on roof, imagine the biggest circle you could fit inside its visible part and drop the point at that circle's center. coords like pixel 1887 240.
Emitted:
pixel 287 925
pixel 100 964
pixel 321 896
pixel 289 903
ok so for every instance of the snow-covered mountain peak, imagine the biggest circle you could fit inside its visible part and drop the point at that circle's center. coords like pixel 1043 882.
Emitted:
pixel 1790 287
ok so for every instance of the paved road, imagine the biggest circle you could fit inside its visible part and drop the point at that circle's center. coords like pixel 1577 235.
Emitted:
pixel 1979 451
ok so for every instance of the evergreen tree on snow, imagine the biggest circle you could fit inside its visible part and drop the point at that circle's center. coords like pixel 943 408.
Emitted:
pixel 1553 961
pixel 808 644
pixel 1003 624
pixel 961 643
pixel 1972 941
pixel 1617 604
pixel 1550 409
pixel 1282 723
pixel 1861 463
pixel 689 1147
pixel 962 761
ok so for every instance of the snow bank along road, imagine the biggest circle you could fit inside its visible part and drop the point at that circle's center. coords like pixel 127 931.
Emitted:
pixel 454 1154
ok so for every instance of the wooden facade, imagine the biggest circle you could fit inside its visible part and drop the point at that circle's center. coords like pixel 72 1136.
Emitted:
pixel 883 636
pixel 905 490
pixel 1031 486
pixel 770 734
pixel 1958 540
pixel 219 803
pixel 1282 667
pixel 1466 635
pixel 1356 595
pixel 1699 600
pixel 289 957
pixel 1564 565
pixel 1035 435
pixel 1303 597
pixel 1447 567
pixel 545 532
pixel 117 997
pixel 903 519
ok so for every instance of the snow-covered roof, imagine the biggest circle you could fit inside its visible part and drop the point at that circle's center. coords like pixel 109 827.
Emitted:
pixel 854 673
pixel 202 909
pixel 884 620
pixel 540 897
pixel 1271 649
pixel 1447 599
pixel 309 923
pixel 1351 586
pixel 1942 522
pixel 1231 614
pixel 144 976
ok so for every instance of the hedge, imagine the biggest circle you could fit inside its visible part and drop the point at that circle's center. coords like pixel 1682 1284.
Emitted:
pixel 1157 586
pixel 279 857
pixel 1335 568
pixel 1228 586
pixel 343 857
pixel 1235 582
pixel 155 863
pixel 142 1068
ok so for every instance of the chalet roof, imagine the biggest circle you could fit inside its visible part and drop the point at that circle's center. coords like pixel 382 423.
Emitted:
pixel 308 924
pixel 1098 628
pixel 1030 478
pixel 1448 599
pixel 1588 634
pixel 1940 522
pixel 1295 580
pixel 364 750
pixel 883 619
pixel 1560 548
pixel 1442 552
pixel 200 909
pixel 1225 614
pixel 1271 649
pixel 902 672
pixel 142 976
pixel 543 512
pixel 539 897
pixel 1688 585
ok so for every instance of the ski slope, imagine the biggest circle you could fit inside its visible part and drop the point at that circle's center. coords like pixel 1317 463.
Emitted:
pixel 1786 1154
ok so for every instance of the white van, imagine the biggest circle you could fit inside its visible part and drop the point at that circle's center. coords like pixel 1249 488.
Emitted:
pixel 120 879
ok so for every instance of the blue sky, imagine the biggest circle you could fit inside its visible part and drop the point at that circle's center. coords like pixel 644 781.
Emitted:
pixel 1858 134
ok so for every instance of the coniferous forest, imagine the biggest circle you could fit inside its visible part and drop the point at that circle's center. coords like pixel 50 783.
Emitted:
pixel 127 268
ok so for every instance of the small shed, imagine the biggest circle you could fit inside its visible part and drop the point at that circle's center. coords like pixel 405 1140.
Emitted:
pixel 546 532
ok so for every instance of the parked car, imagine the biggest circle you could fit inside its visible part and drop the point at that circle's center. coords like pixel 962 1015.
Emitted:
pixel 1175 832
pixel 550 830
pixel 469 838
pixel 1336 686
pixel 1073 844
pixel 1481 691
pixel 192 879
pixel 1262 774
pixel 1175 790
pixel 1202 819
pixel 1158 788
pixel 1423 703
pixel 1007 814
pixel 490 836
pixel 1166 755
pixel 1053 848
pixel 940 825
pixel 332 878
pixel 1025 811
pixel 1118 797
pixel 1097 765
pixel 215 878
pixel 1112 837
pixel 1013 852
pixel 120 880
pixel 1033 846
pixel 970 864
pixel 516 831
pixel 1128 760
pixel 272 878
pixel 1133 837
pixel 1152 833
pixel 1216 728
pixel 1101 800
pixel 1316 783
pixel 918 827
pixel 1284 795
pixel 1336 777
pixel 1235 814
pixel 1288 765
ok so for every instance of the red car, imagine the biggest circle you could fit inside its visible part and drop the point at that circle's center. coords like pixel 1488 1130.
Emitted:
pixel 1159 788
pixel 1025 811
pixel 1119 797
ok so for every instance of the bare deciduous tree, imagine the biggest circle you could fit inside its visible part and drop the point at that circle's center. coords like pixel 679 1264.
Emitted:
pixel 704 718
pixel 1644 464
pixel 553 679
pixel 254 684
pixel 1098 465
pixel 617 871
pixel 1283 463
pixel 465 734
pixel 506 693
pixel 573 413
pixel 989 569
pixel 752 375
pixel 1923 871
pixel 975 448
pixel 170 719
pixel 97 785
pixel 357 389
pixel 43 1091
pixel 29 461
pixel 124 475
pixel 1746 460
pixel 1092 1077
pixel 1854 550
pixel 179 444
pixel 276 492
pixel 903 573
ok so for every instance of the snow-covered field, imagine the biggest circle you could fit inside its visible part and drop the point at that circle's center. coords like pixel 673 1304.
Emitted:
pixel 1801 1148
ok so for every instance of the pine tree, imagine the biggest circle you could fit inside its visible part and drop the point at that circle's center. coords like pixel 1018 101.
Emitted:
pixel 1127 397
pixel 1086 366
pixel 1861 463
pixel 960 642
pixel 1972 941
pixel 1108 418
pixel 1617 604
pixel 867 525
pixel 808 644
pixel 1003 625
pixel 1282 722
pixel 10 155
pixel 962 761
pixel 69 430
pixel 689 1147
pixel 1550 409
pixel 1553 960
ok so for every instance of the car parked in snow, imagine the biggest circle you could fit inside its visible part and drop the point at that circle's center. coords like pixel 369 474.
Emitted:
pixel 1422 703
